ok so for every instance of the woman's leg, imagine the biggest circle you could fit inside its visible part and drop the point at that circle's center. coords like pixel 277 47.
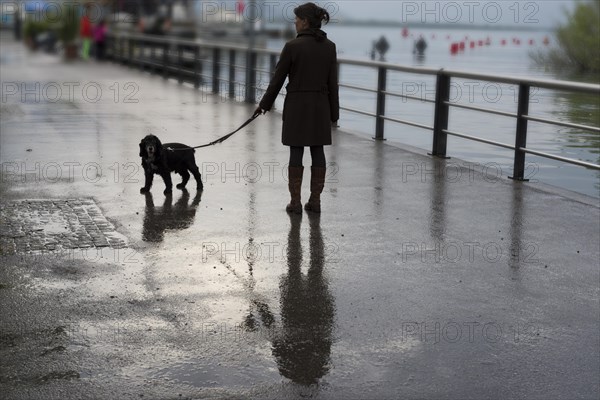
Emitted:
pixel 296 154
pixel 318 156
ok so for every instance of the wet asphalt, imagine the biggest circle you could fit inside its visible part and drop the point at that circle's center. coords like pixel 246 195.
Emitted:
pixel 421 279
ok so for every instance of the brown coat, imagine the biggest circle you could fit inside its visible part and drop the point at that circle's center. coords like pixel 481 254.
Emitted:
pixel 311 102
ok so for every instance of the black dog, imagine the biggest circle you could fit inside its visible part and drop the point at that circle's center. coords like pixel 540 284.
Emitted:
pixel 162 159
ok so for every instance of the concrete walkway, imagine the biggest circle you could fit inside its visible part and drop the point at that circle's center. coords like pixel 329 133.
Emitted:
pixel 422 279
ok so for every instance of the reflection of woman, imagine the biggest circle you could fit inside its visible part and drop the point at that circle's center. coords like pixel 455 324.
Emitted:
pixel 311 103
pixel 303 345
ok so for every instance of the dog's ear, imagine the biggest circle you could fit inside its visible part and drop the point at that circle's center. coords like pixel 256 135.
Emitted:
pixel 158 150
pixel 143 153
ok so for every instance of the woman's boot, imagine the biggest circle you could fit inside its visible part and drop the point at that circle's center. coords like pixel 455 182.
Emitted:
pixel 295 187
pixel 317 182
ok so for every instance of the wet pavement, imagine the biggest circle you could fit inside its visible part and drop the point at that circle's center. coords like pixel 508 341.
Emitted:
pixel 422 278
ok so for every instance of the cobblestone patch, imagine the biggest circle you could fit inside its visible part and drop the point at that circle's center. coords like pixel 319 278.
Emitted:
pixel 54 225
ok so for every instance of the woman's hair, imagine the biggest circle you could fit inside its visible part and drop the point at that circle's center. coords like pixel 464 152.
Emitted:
pixel 313 14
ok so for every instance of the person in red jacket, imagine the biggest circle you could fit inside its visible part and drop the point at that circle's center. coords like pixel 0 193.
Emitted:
pixel 311 103
pixel 86 33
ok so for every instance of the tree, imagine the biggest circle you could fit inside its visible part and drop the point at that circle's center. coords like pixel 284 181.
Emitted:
pixel 578 43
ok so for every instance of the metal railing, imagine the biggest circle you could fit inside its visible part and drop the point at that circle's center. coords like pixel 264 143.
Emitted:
pixel 186 59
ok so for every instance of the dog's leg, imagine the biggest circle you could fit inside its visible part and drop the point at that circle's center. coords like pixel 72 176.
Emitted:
pixel 186 177
pixel 198 177
pixel 168 183
pixel 149 177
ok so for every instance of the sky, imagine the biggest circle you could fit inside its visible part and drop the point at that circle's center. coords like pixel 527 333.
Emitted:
pixel 544 13
pixel 510 13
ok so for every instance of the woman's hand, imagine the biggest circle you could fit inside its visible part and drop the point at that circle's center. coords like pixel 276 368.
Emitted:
pixel 258 112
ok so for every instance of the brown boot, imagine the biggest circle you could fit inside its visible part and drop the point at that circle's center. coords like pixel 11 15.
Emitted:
pixel 317 182
pixel 295 187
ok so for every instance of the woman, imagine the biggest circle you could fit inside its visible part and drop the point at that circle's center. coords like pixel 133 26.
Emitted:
pixel 311 103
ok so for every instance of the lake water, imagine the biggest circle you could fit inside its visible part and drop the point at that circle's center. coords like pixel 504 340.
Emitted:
pixel 511 59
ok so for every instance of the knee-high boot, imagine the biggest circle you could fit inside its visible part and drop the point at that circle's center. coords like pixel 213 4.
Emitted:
pixel 317 182
pixel 295 188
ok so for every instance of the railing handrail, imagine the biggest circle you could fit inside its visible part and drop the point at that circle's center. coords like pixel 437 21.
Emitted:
pixel 191 43
pixel 536 82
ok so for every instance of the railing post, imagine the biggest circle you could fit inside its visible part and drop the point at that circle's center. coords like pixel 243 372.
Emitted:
pixel 130 49
pixel 197 66
pixel 122 50
pixel 179 63
pixel 231 74
pixel 521 134
pixel 111 46
pixel 216 70
pixel 166 60
pixel 250 77
pixel 272 64
pixel 440 118
pixel 142 54
pixel 381 86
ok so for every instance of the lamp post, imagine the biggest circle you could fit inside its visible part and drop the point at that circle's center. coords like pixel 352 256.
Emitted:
pixel 251 55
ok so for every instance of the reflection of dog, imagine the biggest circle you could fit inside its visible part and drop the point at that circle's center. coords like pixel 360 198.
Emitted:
pixel 158 159
pixel 168 217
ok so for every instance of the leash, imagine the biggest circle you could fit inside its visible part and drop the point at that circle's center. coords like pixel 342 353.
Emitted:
pixel 222 138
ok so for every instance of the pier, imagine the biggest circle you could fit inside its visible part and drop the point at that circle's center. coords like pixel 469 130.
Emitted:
pixel 424 277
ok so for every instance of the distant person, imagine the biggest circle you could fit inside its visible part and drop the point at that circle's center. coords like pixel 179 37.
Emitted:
pixel 85 31
pixel 382 46
pixel 420 46
pixel 100 31
pixel 311 103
